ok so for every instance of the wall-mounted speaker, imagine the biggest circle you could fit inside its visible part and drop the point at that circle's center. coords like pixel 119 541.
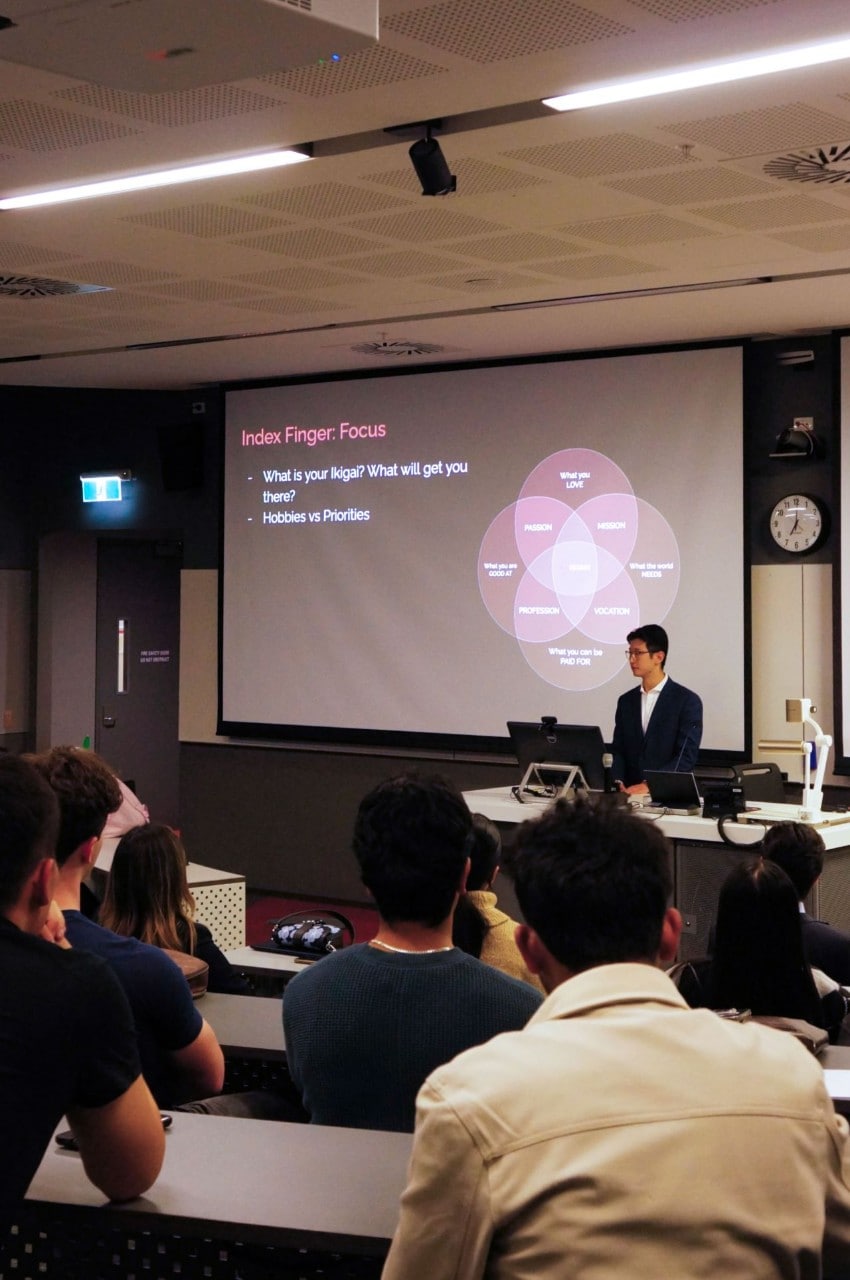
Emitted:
pixel 181 456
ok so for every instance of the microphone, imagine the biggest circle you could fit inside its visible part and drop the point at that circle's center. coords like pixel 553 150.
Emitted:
pixel 607 767
pixel 684 744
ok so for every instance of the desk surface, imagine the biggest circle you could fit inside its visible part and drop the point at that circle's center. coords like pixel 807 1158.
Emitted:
pixel 499 804
pixel 311 1185
pixel 835 1061
pixel 245 1026
pixel 266 961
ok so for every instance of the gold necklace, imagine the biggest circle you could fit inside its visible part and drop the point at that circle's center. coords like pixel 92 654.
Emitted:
pixel 409 951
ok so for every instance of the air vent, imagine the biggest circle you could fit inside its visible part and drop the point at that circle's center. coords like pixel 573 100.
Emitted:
pixel 824 164
pixel 397 348
pixel 41 287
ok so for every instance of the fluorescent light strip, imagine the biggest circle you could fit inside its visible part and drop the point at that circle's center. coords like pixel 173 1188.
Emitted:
pixel 764 64
pixel 625 294
pixel 163 178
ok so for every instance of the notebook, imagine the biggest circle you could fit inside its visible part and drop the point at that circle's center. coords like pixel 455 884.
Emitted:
pixel 676 792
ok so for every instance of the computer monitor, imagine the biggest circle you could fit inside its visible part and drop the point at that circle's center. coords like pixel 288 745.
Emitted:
pixel 548 741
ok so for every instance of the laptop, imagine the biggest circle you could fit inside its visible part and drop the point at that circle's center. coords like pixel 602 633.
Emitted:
pixel 676 792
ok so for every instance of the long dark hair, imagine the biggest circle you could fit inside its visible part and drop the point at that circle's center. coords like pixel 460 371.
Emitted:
pixel 147 893
pixel 759 963
pixel 469 928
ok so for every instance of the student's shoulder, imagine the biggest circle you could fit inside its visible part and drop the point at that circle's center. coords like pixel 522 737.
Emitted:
pixel 500 985
pixel 682 692
pixel 126 954
pixel 77 982
pixel 329 968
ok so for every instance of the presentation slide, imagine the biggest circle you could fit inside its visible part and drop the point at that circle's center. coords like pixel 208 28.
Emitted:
pixel 421 557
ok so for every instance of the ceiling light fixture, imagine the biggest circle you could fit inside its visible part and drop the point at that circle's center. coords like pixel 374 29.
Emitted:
pixel 763 64
pixel 161 178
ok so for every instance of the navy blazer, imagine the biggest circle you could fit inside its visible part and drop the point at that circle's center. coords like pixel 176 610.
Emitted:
pixel 672 737
pixel 827 949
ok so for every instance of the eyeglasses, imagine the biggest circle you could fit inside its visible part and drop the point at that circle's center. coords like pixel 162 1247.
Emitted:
pixel 636 653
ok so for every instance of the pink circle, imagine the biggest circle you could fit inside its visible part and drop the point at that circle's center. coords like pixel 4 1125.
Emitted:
pixel 538 523
pixel 614 612
pixel 583 664
pixel 577 603
pixel 537 613
pixel 499 569
pixel 655 564
pixel 612 522
pixel 574 476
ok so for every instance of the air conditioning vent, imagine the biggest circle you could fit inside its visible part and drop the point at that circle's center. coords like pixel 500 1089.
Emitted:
pixel 42 287
pixel 829 165
pixel 397 348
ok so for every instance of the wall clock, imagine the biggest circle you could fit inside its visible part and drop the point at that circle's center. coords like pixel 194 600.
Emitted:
pixel 798 523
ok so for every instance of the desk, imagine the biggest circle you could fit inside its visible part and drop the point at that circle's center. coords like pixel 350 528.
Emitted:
pixel 701 861
pixel 244 1026
pixel 269 971
pixel 236 1198
pixel 835 1061
pixel 250 1032
pixel 219 896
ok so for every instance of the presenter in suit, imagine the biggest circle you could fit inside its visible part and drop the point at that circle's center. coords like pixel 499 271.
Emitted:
pixel 659 725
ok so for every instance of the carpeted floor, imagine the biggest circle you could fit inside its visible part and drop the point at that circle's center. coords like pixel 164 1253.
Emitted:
pixel 262 911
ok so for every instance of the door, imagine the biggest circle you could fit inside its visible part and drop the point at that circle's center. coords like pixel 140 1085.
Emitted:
pixel 137 668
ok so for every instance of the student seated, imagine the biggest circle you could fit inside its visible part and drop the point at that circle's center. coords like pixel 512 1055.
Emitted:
pixel 480 928
pixel 365 1026
pixel 758 962
pixel 620 1134
pixel 181 1057
pixel 799 851
pixel 68 1041
pixel 148 897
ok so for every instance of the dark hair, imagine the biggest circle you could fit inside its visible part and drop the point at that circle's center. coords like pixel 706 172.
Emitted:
pixel 29 820
pixel 758 961
pixel 87 791
pixel 469 928
pixel 594 883
pixel 147 894
pixel 653 636
pixel 799 851
pixel 411 839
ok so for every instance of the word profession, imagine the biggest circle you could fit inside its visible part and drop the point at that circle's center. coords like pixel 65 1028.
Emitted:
pixel 316 435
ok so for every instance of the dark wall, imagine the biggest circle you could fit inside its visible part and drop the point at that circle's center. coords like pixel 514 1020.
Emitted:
pixel 284 818
pixel 50 435
pixel 774 395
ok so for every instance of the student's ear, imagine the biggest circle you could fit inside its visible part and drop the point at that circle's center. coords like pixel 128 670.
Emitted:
pixel 532 950
pixel 671 933
pixel 539 959
pixel 90 849
pixel 43 883
pixel 466 870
